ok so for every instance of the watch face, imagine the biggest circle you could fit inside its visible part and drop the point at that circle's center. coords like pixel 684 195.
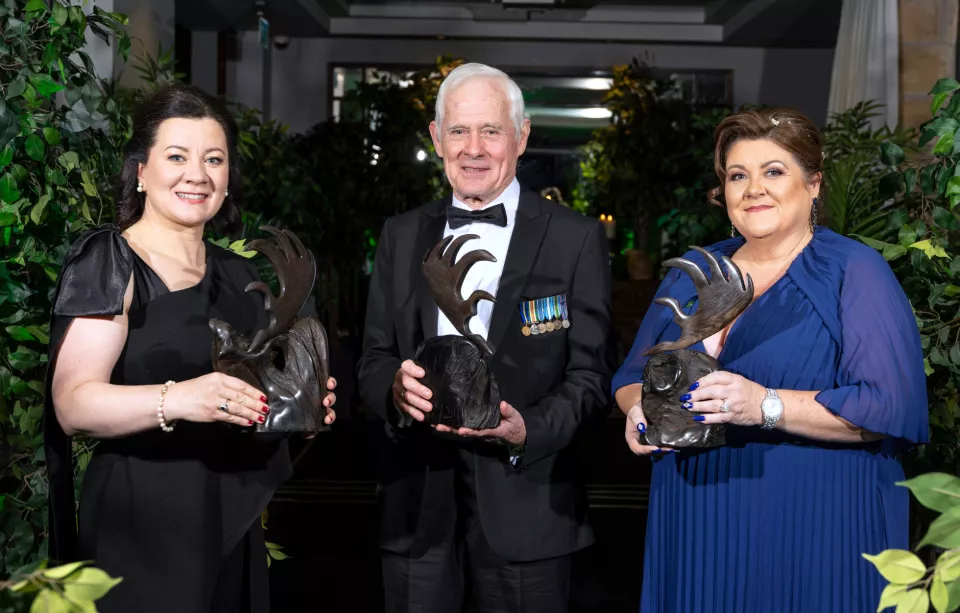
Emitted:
pixel 771 407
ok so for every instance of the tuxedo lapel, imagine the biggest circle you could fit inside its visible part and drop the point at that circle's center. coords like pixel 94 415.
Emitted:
pixel 432 223
pixel 528 232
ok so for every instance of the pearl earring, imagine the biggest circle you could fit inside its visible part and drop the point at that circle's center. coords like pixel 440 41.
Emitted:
pixel 226 193
pixel 140 187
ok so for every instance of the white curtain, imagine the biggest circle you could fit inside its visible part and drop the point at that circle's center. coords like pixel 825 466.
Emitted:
pixel 866 61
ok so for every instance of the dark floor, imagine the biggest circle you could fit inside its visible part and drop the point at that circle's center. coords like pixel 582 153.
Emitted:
pixel 326 520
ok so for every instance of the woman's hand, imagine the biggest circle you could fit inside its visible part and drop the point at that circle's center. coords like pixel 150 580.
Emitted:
pixel 329 400
pixel 637 425
pixel 215 397
pixel 741 395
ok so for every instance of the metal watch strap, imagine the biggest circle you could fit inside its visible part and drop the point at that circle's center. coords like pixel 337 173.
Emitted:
pixel 770 422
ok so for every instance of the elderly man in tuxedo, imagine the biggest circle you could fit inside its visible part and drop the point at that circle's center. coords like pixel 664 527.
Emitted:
pixel 492 515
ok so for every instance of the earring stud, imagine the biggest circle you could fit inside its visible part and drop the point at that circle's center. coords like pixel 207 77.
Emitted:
pixel 226 193
pixel 140 187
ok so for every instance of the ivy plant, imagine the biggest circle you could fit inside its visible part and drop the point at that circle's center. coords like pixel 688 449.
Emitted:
pixel 59 138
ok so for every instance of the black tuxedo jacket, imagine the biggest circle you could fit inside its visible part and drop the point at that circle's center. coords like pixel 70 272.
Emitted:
pixel 559 381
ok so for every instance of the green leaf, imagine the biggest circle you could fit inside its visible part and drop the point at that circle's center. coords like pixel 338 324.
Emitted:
pixel 51 135
pixel 953 589
pixel 909 180
pixel 938 595
pixel 36 5
pixel 70 160
pixel 89 584
pixel 8 189
pixel 16 88
pixel 123 45
pixel 6 157
pixel 19 333
pixel 60 15
pixel 891 596
pixel 955 350
pixel 34 147
pixel 945 86
pixel 892 252
pixel 891 154
pixel 944 531
pixel 45 85
pixel 9 124
pixel 871 242
pixel 945 144
pixel 948 566
pixel 927 369
pixel 36 215
pixel 898 565
pixel 61 572
pixel 914 601
pixel 937 102
pixel 907 236
pixel 955 266
pixel 49 601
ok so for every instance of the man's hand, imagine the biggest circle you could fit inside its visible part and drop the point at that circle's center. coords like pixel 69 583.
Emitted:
pixel 512 430
pixel 411 396
pixel 328 401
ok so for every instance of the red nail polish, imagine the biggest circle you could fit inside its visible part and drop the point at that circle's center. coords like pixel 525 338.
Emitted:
pixel 266 409
pixel 263 398
pixel 251 423
pixel 262 419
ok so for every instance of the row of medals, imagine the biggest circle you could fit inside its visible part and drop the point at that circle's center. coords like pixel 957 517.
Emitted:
pixel 542 328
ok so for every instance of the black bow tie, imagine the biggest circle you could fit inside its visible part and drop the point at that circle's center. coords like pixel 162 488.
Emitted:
pixel 456 217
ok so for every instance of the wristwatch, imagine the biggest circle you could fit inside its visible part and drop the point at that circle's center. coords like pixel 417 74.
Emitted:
pixel 772 409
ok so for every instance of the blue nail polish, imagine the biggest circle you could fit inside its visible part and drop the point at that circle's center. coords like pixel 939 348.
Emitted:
pixel 641 428
pixel 695 386
pixel 688 405
pixel 684 397
pixel 699 417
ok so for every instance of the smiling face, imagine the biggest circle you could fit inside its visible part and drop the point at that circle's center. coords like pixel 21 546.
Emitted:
pixel 766 190
pixel 187 172
pixel 478 141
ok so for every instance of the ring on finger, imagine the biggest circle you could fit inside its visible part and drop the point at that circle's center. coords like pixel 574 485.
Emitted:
pixel 403 394
pixel 724 407
pixel 223 407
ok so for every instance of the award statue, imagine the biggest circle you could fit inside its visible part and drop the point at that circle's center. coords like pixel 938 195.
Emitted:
pixel 289 359
pixel 465 392
pixel 669 375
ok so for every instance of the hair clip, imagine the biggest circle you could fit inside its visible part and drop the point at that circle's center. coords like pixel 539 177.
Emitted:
pixel 775 121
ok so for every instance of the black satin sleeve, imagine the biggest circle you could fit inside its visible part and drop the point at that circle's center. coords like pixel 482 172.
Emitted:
pixel 92 282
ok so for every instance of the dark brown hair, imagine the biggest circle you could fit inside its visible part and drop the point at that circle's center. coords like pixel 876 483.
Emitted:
pixel 171 102
pixel 789 129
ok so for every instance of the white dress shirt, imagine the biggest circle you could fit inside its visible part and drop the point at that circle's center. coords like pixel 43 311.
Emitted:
pixel 483 275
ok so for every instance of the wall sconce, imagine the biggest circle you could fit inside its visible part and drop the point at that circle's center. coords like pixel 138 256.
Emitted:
pixel 609 226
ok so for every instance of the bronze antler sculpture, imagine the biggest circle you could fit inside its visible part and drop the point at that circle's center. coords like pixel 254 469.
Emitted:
pixel 465 392
pixel 289 358
pixel 667 376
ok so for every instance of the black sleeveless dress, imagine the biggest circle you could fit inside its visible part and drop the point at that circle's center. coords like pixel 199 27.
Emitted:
pixel 176 515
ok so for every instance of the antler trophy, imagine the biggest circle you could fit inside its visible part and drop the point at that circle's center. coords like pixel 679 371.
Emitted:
pixel 289 359
pixel 667 376
pixel 465 392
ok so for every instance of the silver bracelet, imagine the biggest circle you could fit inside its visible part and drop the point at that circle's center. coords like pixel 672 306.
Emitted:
pixel 163 395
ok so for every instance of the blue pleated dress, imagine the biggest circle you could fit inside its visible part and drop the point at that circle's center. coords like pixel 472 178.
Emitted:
pixel 773 522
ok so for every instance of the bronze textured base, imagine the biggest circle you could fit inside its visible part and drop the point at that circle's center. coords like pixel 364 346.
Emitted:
pixel 465 392
pixel 666 377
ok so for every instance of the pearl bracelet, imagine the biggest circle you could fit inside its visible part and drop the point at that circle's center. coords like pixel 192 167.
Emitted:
pixel 163 395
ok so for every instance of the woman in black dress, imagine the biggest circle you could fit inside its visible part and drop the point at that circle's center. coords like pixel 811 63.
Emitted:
pixel 171 500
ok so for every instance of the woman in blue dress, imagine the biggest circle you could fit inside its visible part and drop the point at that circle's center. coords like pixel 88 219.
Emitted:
pixel 777 519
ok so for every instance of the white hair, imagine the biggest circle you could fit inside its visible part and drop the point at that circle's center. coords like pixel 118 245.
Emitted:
pixel 464 73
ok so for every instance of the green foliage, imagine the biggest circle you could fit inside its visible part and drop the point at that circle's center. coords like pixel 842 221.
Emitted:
pixel 913 587
pixel 652 167
pixel 71 588
pixel 856 196
pixel 925 255
pixel 59 137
